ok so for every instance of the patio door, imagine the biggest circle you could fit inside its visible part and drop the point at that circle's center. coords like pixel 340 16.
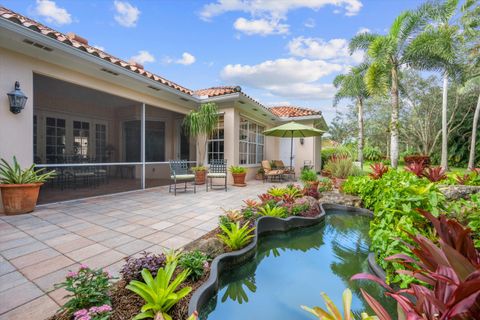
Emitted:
pixel 182 142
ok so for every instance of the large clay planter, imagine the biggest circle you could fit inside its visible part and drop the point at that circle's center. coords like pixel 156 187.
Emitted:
pixel 19 198
pixel 200 176
pixel 239 179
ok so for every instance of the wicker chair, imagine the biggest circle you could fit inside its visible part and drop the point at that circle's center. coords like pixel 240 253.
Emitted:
pixel 288 171
pixel 217 170
pixel 269 173
pixel 179 173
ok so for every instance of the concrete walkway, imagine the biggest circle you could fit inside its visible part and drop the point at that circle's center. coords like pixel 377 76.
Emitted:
pixel 38 249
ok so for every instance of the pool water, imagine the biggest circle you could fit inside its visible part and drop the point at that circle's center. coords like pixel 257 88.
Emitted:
pixel 292 268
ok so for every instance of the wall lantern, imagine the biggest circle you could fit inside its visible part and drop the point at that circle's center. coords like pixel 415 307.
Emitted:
pixel 302 141
pixel 17 99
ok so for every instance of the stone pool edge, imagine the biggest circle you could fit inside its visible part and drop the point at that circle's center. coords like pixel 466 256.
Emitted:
pixel 263 225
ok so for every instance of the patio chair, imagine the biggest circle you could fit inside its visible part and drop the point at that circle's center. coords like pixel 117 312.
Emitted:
pixel 290 171
pixel 217 170
pixel 179 173
pixel 269 173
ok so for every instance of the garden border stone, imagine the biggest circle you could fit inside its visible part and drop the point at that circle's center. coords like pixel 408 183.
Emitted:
pixel 262 226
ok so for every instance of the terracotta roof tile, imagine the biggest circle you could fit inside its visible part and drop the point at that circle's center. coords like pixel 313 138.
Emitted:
pixel 217 91
pixel 293 111
pixel 82 44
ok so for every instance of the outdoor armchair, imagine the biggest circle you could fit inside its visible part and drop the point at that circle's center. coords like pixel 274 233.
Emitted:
pixel 286 170
pixel 179 173
pixel 217 170
pixel 269 173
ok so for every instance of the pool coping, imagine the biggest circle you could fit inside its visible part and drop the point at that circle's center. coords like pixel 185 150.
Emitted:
pixel 264 225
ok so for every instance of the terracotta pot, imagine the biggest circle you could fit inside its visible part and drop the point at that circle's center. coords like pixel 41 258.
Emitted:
pixel 239 179
pixel 337 182
pixel 200 176
pixel 19 198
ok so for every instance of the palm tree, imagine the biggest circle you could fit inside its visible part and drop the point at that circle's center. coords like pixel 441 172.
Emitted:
pixel 388 54
pixel 351 86
pixel 200 124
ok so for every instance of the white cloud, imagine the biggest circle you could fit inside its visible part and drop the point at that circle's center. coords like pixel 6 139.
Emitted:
pixel 363 30
pixel 275 8
pixel 99 47
pixel 260 26
pixel 127 15
pixel 53 14
pixel 335 50
pixel 290 78
pixel 310 23
pixel 187 59
pixel 143 57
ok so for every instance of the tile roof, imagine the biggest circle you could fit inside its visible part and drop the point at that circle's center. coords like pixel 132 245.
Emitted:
pixel 82 44
pixel 217 91
pixel 293 111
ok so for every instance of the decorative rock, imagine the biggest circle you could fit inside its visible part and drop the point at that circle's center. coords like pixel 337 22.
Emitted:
pixel 455 192
pixel 212 247
pixel 312 202
pixel 340 198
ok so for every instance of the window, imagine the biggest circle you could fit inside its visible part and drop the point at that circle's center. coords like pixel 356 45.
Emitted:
pixel 35 155
pixel 216 142
pixel 100 142
pixel 154 141
pixel 81 134
pixel 251 142
pixel 55 140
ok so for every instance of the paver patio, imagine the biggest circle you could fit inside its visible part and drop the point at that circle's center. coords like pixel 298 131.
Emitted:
pixel 38 249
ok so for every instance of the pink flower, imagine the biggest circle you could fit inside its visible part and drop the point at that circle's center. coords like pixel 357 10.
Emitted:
pixel 72 274
pixel 104 308
pixel 87 317
pixel 80 313
pixel 206 265
pixel 83 266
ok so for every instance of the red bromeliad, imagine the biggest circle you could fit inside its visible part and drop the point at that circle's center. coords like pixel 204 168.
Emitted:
pixel 378 170
pixel 435 174
pixel 416 168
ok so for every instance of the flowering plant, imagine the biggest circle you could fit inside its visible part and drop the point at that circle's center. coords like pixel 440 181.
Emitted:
pixel 87 287
pixel 133 267
pixel 94 313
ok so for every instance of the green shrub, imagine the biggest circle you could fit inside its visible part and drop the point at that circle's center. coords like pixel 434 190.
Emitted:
pixel 340 151
pixel 324 184
pixel 159 293
pixel 467 212
pixel 342 168
pixel 372 153
pixel 194 262
pixel 237 169
pixel 272 211
pixel 394 199
pixel 236 237
pixel 308 175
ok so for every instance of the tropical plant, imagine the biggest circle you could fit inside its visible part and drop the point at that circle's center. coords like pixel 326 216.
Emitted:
pixel 272 211
pixel 339 151
pixel 293 191
pixel 86 287
pixel 102 312
pixel 372 153
pixel 14 174
pixel 324 184
pixel 160 293
pixel 250 203
pixel 233 215
pixel 342 168
pixel 308 175
pixel 351 86
pixel 199 168
pixel 200 124
pixel 237 170
pixel 417 168
pixel 172 255
pixel 236 237
pixel 133 266
pixel 333 312
pixel 195 262
pixel 378 170
pixel 277 192
pixel 467 212
pixel 435 174
pixel 448 273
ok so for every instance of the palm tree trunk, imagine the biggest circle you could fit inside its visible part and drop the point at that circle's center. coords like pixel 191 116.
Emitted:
pixel 360 132
pixel 394 120
pixel 473 144
pixel 444 158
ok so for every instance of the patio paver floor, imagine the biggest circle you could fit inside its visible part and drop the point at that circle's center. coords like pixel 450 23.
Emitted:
pixel 38 249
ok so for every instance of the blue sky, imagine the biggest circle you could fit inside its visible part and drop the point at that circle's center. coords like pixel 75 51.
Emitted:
pixel 278 51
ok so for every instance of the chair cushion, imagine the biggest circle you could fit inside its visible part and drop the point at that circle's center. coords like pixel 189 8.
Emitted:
pixel 183 176
pixel 216 175
pixel 274 172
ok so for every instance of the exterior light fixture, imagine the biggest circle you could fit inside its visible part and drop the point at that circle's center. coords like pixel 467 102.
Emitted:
pixel 17 99
pixel 302 141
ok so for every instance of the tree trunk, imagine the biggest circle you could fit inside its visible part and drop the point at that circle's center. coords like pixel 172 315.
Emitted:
pixel 360 132
pixel 394 120
pixel 444 159
pixel 473 144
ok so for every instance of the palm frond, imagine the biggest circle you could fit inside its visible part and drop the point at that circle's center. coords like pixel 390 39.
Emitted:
pixel 361 41
pixel 377 79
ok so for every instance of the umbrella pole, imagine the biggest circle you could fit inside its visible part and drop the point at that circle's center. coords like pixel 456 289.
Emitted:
pixel 291 151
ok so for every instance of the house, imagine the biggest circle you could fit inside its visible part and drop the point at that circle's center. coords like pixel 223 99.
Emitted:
pixel 107 125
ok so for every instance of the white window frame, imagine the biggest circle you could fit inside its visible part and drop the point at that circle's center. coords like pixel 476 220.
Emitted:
pixel 259 142
pixel 220 126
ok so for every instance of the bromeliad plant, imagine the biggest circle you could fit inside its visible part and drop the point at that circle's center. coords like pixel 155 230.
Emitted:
pixel 378 170
pixel 236 237
pixel 273 211
pixel 14 174
pixel 87 288
pixel 172 255
pixel 416 168
pixel 435 174
pixel 195 262
pixel 160 293
pixel 448 273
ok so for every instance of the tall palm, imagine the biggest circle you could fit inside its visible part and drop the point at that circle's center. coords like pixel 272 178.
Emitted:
pixel 351 86
pixel 200 124
pixel 388 53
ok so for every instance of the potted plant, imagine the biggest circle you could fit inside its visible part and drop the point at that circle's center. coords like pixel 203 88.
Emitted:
pixel 260 174
pixel 20 187
pixel 239 174
pixel 200 174
pixel 200 124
